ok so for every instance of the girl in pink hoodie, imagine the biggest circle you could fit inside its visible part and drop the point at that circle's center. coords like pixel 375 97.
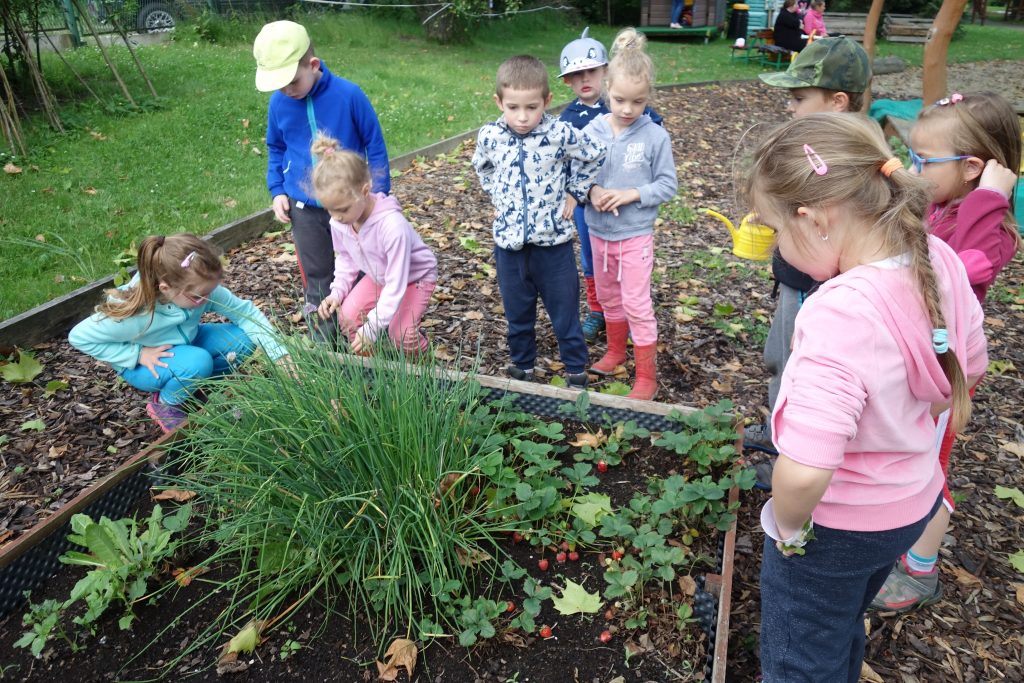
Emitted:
pixel 892 337
pixel 370 234
pixel 968 147
pixel 814 21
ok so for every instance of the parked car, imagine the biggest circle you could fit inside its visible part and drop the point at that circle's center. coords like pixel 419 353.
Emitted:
pixel 150 16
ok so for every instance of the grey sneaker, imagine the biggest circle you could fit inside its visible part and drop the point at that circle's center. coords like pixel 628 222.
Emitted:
pixel 905 590
pixel 759 437
pixel 520 374
pixel 577 381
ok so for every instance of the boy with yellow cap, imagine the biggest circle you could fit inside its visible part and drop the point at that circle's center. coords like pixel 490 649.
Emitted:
pixel 310 99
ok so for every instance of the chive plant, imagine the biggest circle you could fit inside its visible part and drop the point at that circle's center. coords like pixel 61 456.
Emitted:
pixel 338 480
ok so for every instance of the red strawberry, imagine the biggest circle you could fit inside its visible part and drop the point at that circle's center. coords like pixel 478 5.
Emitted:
pixel 545 631
pixel 616 554
pixel 516 537
pixel 602 466
pixel 510 606
pixel 574 556
pixel 543 565
pixel 605 636
pixel 565 545
pixel 560 557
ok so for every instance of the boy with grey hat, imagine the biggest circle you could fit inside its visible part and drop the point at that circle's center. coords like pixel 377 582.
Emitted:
pixel 829 75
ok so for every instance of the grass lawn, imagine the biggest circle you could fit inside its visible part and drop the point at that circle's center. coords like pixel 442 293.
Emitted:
pixel 195 160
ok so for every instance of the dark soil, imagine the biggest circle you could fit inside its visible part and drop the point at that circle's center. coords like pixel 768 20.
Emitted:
pixel 973 634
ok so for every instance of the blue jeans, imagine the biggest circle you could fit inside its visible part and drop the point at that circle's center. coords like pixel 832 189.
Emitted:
pixel 205 357
pixel 812 605
pixel 677 10
pixel 550 273
pixel 586 253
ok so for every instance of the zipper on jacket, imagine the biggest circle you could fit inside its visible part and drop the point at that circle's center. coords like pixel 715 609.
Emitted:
pixel 184 337
pixel 522 173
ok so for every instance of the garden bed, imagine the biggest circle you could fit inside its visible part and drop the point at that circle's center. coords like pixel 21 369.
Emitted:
pixel 663 647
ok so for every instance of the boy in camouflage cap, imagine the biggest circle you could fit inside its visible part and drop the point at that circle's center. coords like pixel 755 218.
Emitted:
pixel 830 74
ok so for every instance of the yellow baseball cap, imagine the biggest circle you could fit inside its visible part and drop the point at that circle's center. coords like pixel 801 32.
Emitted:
pixel 278 49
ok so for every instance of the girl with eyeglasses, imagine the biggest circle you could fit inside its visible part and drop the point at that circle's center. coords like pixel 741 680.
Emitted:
pixel 969 148
pixel 149 330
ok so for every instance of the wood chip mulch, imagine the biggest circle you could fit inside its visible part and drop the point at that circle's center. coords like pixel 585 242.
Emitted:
pixel 713 311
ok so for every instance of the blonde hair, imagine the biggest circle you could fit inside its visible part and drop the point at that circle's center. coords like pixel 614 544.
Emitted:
pixel 985 126
pixel 630 59
pixel 337 171
pixel 159 261
pixel 782 180
pixel 522 72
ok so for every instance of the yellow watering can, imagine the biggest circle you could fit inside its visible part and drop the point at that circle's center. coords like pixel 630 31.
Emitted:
pixel 751 240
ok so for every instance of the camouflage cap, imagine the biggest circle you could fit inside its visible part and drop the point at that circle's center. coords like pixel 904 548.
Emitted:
pixel 831 63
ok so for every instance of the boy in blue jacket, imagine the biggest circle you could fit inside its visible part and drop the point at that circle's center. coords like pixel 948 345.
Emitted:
pixel 311 99
pixel 521 160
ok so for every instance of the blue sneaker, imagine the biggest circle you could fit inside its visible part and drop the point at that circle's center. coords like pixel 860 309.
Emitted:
pixel 759 437
pixel 593 325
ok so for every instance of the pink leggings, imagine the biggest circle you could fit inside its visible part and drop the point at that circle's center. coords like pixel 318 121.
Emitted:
pixel 404 327
pixel 622 273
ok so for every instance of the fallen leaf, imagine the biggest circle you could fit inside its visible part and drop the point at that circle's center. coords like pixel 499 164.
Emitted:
pixel 245 123
pixel 11 169
pixel 588 439
pixel 575 599
pixel 89 190
pixel 401 653
pixel 248 638
pixel 257 151
pixel 57 452
pixel 96 135
pixel 1013 447
pixel 1018 586
pixel 474 315
pixel 25 370
pixel 868 674
pixel 230 202
pixel 687 585
pixel 472 557
pixel 1014 494
pixel 176 495
pixel 965 578
pixel 184 576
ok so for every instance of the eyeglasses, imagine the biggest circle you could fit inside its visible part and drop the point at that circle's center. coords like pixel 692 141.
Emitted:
pixel 917 161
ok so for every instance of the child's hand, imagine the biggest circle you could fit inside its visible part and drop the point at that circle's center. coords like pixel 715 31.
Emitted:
pixel 998 177
pixel 361 345
pixel 150 357
pixel 286 364
pixel 570 206
pixel 328 306
pixel 611 200
pixel 281 207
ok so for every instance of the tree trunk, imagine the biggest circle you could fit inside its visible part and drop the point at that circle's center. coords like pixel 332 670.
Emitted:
pixel 443 24
pixel 870 31
pixel 935 50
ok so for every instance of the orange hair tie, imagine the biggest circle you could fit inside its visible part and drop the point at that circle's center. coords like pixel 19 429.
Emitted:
pixel 890 166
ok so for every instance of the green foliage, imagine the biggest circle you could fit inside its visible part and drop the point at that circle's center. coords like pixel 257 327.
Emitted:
pixel 42 620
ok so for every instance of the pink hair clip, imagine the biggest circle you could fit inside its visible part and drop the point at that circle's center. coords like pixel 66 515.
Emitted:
pixel 187 261
pixel 329 151
pixel 815 160
pixel 952 99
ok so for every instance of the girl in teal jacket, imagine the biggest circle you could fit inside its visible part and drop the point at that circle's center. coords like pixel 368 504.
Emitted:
pixel 150 331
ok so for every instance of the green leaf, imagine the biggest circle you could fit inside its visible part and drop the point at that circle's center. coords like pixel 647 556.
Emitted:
pixel 558 381
pixel 615 389
pixel 469 243
pixel 1017 561
pixel 102 545
pixel 997 368
pixel 592 507
pixel 247 639
pixel 55 385
pixel 1014 494
pixel 575 599
pixel 25 370
pixel 34 425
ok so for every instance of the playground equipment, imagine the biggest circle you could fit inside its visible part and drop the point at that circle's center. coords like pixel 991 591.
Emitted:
pixel 751 240
pixel 706 18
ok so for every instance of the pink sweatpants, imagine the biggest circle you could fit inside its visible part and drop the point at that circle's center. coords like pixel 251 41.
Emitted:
pixel 404 327
pixel 622 273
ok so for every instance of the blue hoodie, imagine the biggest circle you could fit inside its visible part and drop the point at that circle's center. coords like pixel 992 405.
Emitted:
pixel 335 107
pixel 119 342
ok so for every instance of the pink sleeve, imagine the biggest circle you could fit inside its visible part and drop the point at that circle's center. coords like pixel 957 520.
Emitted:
pixel 979 239
pixel 823 393
pixel 345 268
pixel 397 247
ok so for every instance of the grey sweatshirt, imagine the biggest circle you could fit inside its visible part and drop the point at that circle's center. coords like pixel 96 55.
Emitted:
pixel 640 157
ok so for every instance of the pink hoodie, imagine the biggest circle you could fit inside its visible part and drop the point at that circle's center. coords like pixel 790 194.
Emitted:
pixel 857 393
pixel 389 251
pixel 814 23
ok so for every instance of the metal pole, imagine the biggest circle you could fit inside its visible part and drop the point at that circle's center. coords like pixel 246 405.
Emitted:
pixel 72 20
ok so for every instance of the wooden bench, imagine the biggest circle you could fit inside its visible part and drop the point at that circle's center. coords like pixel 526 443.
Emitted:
pixel 849 24
pixel 906 28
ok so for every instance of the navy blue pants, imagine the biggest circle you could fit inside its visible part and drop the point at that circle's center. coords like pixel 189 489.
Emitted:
pixel 550 273
pixel 812 605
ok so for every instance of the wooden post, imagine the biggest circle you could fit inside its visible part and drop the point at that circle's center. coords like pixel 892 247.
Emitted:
pixel 937 47
pixel 870 31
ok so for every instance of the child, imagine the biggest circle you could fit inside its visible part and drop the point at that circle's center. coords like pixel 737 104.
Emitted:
pixel 814 22
pixel 310 99
pixel 371 235
pixel 521 159
pixel 829 75
pixel 150 331
pixel 584 63
pixel 965 146
pixel 638 175
pixel 892 337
